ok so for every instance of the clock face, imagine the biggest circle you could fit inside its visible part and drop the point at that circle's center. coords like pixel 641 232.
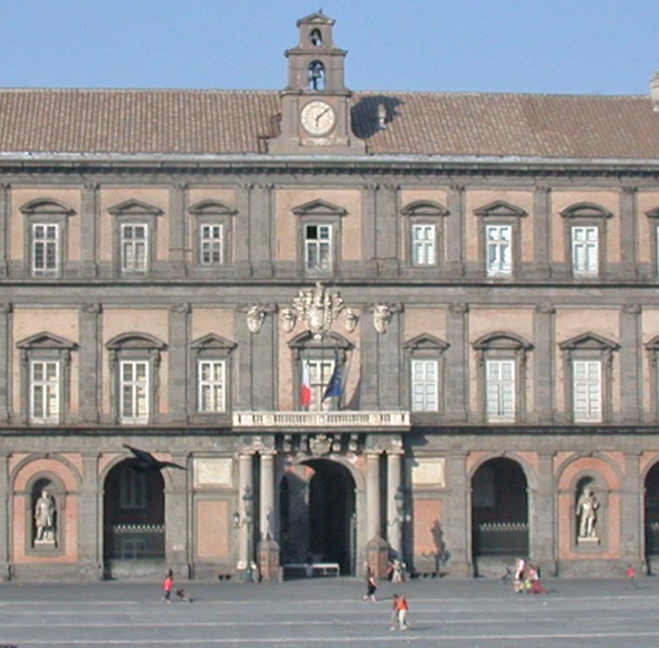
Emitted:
pixel 318 118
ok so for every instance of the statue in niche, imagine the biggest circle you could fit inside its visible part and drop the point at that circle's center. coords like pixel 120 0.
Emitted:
pixel 45 512
pixel 587 507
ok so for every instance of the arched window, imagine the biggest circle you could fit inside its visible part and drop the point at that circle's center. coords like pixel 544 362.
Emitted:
pixel 316 38
pixel 316 75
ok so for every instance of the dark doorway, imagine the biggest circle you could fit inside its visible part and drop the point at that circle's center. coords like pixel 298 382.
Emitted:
pixel 500 510
pixel 133 515
pixel 317 514
pixel 652 512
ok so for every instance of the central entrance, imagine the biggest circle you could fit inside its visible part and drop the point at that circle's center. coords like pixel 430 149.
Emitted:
pixel 318 521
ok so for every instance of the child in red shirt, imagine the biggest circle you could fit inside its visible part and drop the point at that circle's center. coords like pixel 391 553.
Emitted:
pixel 167 586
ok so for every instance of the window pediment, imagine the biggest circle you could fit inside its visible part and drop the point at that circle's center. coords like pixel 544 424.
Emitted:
pixel 586 210
pixel 653 213
pixel 332 340
pixel 130 341
pixel 426 342
pixel 653 344
pixel 319 208
pixel 213 342
pixel 135 208
pixel 502 341
pixel 46 207
pixel 589 342
pixel 425 208
pixel 501 209
pixel 211 208
pixel 48 341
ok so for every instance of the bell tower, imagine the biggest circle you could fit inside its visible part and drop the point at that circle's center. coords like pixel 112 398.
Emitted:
pixel 316 104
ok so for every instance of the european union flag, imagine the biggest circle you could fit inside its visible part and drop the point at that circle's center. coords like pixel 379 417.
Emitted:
pixel 334 386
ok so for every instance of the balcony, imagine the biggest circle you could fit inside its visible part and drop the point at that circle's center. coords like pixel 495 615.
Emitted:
pixel 398 421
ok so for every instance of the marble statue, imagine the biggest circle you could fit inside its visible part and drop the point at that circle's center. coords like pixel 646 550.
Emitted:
pixel 44 517
pixel 586 512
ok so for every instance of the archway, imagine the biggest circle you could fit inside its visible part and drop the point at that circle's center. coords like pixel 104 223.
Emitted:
pixel 499 511
pixel 133 519
pixel 318 515
pixel 652 516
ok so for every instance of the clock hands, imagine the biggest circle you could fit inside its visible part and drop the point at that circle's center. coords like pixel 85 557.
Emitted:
pixel 322 114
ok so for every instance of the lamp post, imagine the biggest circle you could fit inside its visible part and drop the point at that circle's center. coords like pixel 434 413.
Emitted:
pixel 247 520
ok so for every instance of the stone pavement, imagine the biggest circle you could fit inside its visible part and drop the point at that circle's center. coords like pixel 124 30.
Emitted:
pixel 330 612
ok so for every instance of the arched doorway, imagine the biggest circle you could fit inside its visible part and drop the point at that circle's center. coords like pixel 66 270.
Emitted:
pixel 652 517
pixel 133 521
pixel 499 506
pixel 317 515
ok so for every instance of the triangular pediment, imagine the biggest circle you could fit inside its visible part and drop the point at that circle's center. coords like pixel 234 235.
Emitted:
pixel 46 340
pixel 213 341
pixel 502 340
pixel 426 342
pixel 316 18
pixel 589 341
pixel 500 208
pixel 127 341
pixel 135 208
pixel 211 208
pixel 319 207
pixel 653 213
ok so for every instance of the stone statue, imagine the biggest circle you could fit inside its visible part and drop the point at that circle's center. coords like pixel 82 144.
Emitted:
pixel 586 512
pixel 44 518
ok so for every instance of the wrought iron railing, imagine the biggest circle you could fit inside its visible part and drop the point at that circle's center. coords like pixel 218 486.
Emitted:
pixel 501 538
pixel 135 541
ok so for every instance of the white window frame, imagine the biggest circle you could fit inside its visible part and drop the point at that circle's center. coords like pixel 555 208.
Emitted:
pixel 130 265
pixel 424 244
pixel 320 373
pixel 139 393
pixel 499 250
pixel 47 248
pixel 45 393
pixel 211 396
pixel 132 490
pixel 500 388
pixel 321 247
pixel 587 388
pixel 424 385
pixel 584 251
pixel 211 244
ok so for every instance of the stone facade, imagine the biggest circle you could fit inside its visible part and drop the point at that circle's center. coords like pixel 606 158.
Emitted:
pixel 495 322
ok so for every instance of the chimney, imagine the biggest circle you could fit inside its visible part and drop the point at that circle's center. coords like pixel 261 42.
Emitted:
pixel 382 113
pixel 654 91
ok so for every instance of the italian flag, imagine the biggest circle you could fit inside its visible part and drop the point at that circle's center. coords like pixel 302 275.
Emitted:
pixel 305 386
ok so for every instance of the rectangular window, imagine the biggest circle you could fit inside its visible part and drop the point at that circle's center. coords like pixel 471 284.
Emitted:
pixel 44 392
pixel 134 391
pixel 211 386
pixel 585 251
pixel 134 249
pixel 500 390
pixel 211 248
pixel 587 391
pixel 320 372
pixel 499 250
pixel 423 244
pixel 318 248
pixel 425 385
pixel 45 250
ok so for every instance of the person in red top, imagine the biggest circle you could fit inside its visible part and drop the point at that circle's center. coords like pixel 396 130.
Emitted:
pixel 630 575
pixel 402 613
pixel 167 586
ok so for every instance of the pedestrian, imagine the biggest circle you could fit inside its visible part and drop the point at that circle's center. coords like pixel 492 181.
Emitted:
pixel 394 612
pixel 630 575
pixel 534 581
pixel 371 586
pixel 167 585
pixel 518 575
pixel 403 608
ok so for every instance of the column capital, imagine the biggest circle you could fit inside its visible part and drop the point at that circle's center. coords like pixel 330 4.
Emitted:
pixel 91 309
pixel 458 309
pixel 181 309
pixel 632 309
pixel 6 308
pixel 545 309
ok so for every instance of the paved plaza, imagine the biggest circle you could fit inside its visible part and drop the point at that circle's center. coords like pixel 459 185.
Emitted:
pixel 459 614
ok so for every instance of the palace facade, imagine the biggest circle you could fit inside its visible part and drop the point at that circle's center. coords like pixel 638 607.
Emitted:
pixel 429 320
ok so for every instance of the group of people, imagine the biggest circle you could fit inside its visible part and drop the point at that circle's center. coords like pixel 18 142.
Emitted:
pixel 399 605
pixel 526 578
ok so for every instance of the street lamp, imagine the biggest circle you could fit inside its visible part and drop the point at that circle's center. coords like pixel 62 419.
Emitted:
pixel 247 520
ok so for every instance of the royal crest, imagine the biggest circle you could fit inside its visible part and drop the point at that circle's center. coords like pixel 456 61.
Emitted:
pixel 318 307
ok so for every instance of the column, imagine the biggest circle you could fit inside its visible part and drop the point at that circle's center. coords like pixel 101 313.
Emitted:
pixel 245 553
pixel 628 232
pixel 176 516
pixel 90 363
pixel 90 521
pixel 5 503
pixel 542 516
pixel 458 531
pixel 386 231
pixel 261 231
pixel 455 231
pixel 457 359
pixel 88 230
pixel 541 231
pixel 394 526
pixel 179 326
pixel 241 251
pixel 631 505
pixel 5 361
pixel 631 349
pixel 368 230
pixel 5 198
pixel 178 243
pixel 544 363
pixel 267 497
pixel 373 521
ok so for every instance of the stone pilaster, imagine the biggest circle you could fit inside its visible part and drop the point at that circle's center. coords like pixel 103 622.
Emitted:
pixel 631 349
pixel 177 518
pixel 369 230
pixel 541 232
pixel 178 241
pixel 542 520
pixel 370 377
pixel 89 218
pixel 388 361
pixel 263 349
pixel 5 207
pixel 245 484
pixel 394 526
pixel 243 396
pixel 628 232
pixel 543 363
pixel 179 338
pixel 373 521
pixel 5 503
pixel 267 496
pixel 455 230
pixel 457 527
pixel 261 215
pixel 90 521
pixel 457 379
pixel 90 363
pixel 631 506
pixel 5 361
pixel 386 231
pixel 241 249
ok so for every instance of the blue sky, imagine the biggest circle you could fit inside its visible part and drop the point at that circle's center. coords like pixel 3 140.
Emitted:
pixel 537 46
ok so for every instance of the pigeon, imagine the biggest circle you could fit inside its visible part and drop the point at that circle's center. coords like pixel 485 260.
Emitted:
pixel 146 462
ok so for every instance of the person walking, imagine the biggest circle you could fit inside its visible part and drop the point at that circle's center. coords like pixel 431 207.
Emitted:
pixel 630 575
pixel 534 580
pixel 167 586
pixel 394 612
pixel 371 586
pixel 403 608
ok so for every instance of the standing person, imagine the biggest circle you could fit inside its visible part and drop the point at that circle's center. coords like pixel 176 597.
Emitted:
pixel 394 612
pixel 518 576
pixel 534 580
pixel 630 575
pixel 167 585
pixel 403 608
pixel 371 586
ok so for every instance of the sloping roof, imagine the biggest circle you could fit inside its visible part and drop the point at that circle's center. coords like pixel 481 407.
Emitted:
pixel 231 122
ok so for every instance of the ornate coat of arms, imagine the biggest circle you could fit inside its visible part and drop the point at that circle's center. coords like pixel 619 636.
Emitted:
pixel 318 307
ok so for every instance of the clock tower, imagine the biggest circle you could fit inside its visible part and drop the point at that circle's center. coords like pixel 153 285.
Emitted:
pixel 315 106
